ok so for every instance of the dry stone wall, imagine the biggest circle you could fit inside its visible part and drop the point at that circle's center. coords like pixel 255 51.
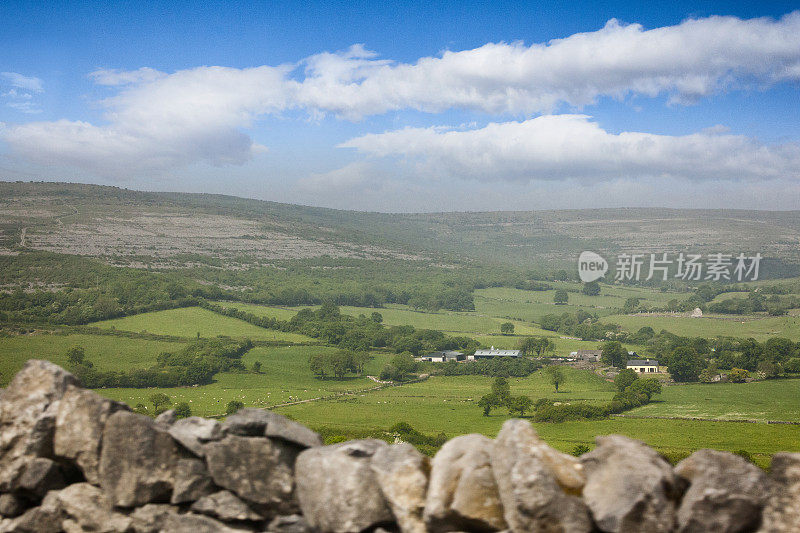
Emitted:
pixel 73 461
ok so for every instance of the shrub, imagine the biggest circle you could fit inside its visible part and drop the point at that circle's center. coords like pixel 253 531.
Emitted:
pixel 182 410
pixel 233 406
pixel 579 450
pixel 738 375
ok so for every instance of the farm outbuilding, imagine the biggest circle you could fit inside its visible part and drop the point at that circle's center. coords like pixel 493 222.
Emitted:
pixel 493 352
pixel 592 356
pixel 443 356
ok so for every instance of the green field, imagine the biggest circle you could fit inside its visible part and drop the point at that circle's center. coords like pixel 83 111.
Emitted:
pixel 759 328
pixel 448 404
pixel 285 378
pixel 532 305
pixel 107 352
pixel 760 400
pixel 189 321
pixel 728 295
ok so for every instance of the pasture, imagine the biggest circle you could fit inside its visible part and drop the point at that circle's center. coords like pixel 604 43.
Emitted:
pixel 448 404
pixel 760 400
pixel 456 323
pixel 107 352
pixel 532 305
pixel 724 325
pixel 285 377
pixel 191 322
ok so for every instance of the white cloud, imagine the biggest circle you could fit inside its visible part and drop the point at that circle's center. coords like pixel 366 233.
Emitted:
pixel 18 91
pixel 114 77
pixel 158 121
pixel 20 81
pixel 190 116
pixel 556 147
pixel 687 61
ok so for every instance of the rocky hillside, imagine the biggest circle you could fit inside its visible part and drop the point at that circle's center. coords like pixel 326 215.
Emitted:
pixel 178 230
pixel 73 461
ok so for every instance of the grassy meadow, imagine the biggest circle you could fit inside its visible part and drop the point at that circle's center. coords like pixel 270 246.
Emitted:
pixel 448 404
pixel 191 322
pixel 285 377
pixel 760 328
pixel 107 352
pixel 532 305
pixel 760 400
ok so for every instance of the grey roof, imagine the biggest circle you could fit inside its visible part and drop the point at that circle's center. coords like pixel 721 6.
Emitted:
pixel 495 351
pixel 643 362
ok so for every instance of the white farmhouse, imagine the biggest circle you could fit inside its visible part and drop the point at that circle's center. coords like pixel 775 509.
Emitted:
pixel 643 366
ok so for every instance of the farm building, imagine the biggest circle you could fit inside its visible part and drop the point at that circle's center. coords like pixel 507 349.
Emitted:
pixel 643 365
pixel 592 356
pixel 493 352
pixel 443 356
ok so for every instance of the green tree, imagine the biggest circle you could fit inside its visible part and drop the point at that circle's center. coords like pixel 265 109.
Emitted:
pixel 318 363
pixel 233 406
pixel 561 297
pixel 404 363
pixel 631 304
pixel 648 387
pixel 76 356
pixel 591 289
pixel 341 363
pixel 257 367
pixel 377 317
pixel 506 328
pixel 519 404
pixel 536 346
pixel 555 375
pixel 684 364
pixel 501 389
pixel 779 349
pixel 488 402
pixel 360 360
pixel 614 354
pixel 625 378
pixel 159 400
pixel 182 410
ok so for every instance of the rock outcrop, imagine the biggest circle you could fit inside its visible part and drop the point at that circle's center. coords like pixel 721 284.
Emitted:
pixel 72 461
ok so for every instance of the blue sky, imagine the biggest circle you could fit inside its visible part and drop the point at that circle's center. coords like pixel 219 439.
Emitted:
pixel 409 107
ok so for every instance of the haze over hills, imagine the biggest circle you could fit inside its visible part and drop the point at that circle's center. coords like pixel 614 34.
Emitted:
pixel 171 230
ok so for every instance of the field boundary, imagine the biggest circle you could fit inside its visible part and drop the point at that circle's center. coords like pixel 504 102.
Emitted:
pixel 700 419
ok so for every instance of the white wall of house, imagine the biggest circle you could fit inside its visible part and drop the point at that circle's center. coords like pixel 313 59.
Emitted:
pixel 644 369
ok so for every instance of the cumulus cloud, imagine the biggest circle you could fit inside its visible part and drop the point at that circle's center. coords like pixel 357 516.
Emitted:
pixel 159 121
pixel 187 117
pixel 556 147
pixel 687 61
